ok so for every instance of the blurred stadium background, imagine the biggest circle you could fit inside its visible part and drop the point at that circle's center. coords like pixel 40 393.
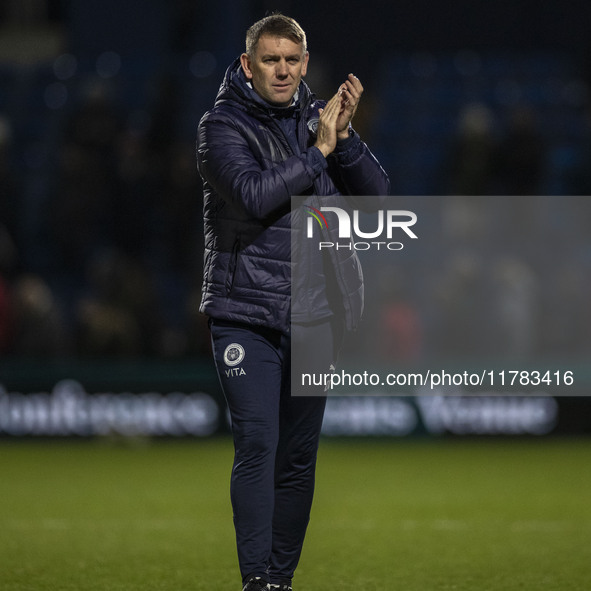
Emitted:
pixel 100 204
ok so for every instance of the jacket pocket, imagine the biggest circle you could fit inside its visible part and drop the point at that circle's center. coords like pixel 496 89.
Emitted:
pixel 232 264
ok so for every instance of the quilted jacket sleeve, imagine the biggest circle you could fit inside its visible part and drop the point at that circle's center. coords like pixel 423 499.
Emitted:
pixel 359 173
pixel 227 159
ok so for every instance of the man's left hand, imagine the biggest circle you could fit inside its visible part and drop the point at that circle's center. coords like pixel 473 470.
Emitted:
pixel 350 93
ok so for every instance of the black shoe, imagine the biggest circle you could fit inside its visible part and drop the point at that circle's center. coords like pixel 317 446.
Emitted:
pixel 282 587
pixel 256 584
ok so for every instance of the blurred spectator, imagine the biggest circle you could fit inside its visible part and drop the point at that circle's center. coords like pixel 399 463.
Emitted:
pixel 119 317
pixel 25 12
pixel 565 318
pixel 578 175
pixel 96 122
pixel 472 164
pixel 6 326
pixel 521 155
pixel 37 320
pixel 8 220
pixel 183 37
pixel 399 337
pixel 520 167
pixel 465 220
pixel 460 329
pixel 7 260
pixel 139 180
pixel 179 211
pixel 80 214
pixel 163 113
pixel 8 252
pixel 9 197
pixel 470 174
pixel 515 307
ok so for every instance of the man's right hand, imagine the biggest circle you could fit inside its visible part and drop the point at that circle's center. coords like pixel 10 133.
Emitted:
pixel 326 137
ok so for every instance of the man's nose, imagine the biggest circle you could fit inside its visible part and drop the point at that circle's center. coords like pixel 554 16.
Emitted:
pixel 281 70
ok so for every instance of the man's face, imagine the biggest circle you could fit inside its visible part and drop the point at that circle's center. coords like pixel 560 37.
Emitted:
pixel 275 69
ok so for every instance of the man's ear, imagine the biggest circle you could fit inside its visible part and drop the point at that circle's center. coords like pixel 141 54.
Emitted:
pixel 305 66
pixel 245 63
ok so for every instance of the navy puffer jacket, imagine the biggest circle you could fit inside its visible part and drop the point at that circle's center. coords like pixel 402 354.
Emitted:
pixel 250 172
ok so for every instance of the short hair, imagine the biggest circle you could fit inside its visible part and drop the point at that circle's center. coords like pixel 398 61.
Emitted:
pixel 275 25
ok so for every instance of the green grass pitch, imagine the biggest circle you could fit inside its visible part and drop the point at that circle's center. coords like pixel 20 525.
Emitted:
pixel 388 515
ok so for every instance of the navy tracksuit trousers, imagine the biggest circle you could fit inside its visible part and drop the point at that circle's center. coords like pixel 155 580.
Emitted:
pixel 275 440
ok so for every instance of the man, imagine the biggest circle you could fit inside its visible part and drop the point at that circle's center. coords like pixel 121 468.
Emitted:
pixel 268 139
